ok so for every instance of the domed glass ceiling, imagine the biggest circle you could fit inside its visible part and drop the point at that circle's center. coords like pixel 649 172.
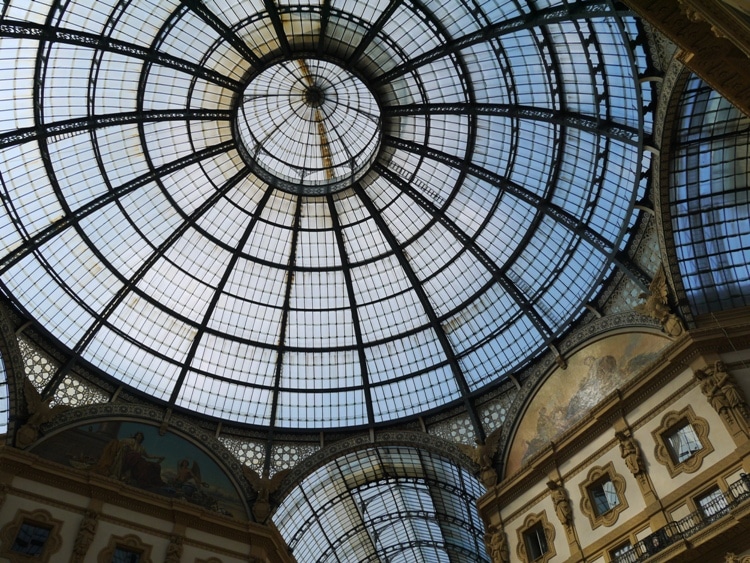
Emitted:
pixel 314 215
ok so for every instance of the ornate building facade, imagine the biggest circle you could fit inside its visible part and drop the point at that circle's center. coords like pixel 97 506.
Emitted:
pixel 391 281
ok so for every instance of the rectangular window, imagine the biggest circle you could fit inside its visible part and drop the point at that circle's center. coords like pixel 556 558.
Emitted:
pixel 123 555
pixel 712 505
pixel 623 554
pixel 683 442
pixel 30 539
pixel 603 496
pixel 536 542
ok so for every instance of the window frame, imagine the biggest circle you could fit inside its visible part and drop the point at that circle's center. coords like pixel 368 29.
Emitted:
pixel 710 495
pixel 40 519
pixel 595 477
pixel 130 543
pixel 625 548
pixel 671 423
pixel 536 522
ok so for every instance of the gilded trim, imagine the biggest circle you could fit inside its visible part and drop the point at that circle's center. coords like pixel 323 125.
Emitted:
pixel 549 534
pixel 662 452
pixel 595 476
pixel 40 518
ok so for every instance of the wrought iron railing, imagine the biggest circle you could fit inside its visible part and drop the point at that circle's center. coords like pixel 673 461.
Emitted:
pixel 718 507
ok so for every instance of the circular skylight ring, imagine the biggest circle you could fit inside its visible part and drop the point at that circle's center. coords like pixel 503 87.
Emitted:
pixel 308 126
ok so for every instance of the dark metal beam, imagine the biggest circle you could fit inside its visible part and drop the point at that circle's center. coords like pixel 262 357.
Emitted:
pixel 228 271
pixel 504 27
pixel 325 17
pixel 346 270
pixel 200 9
pixel 90 123
pixel 375 28
pixel 623 133
pixel 37 240
pixel 290 281
pixel 28 30
pixel 278 25
pixel 554 212
pixel 471 245
pixel 437 327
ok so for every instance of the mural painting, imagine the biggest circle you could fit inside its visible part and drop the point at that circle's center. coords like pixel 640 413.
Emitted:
pixel 567 395
pixel 138 455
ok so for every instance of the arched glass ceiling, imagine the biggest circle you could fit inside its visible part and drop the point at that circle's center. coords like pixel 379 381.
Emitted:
pixel 709 199
pixel 391 504
pixel 140 236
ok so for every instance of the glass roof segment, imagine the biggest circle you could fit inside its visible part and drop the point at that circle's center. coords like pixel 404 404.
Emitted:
pixel 709 199
pixel 308 126
pixel 314 215
pixel 385 504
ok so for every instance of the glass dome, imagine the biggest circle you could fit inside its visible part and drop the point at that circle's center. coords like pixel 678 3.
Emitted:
pixel 314 214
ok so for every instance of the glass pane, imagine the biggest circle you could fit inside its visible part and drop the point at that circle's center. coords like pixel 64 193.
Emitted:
pixel 604 497
pixel 30 539
pixel 123 555
pixel 683 443
pixel 713 505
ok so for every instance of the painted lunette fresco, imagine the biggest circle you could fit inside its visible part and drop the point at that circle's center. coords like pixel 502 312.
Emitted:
pixel 136 454
pixel 567 395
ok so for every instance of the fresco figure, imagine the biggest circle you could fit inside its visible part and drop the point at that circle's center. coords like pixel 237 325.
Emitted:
pixel 128 460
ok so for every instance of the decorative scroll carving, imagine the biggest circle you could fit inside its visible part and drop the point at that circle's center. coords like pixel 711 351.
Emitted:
pixel 497 544
pixel 657 305
pixel 631 453
pixel 85 537
pixel 174 549
pixel 40 412
pixel 265 487
pixel 483 455
pixel 562 504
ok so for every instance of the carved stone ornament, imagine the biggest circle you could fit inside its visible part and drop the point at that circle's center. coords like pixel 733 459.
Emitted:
pixel 562 504
pixel 631 453
pixel 483 455
pixel 657 307
pixel 40 412
pixel 497 544
pixel 174 549
pixel 265 487
pixel 86 533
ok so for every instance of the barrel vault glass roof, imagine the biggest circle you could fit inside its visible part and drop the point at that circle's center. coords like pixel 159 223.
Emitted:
pixel 362 506
pixel 315 214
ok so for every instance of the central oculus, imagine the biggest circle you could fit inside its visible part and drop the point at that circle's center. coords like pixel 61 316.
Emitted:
pixel 308 126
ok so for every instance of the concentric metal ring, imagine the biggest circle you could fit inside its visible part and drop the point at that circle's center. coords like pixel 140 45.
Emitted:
pixel 308 126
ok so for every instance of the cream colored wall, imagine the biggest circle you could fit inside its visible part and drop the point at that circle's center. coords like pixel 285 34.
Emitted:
pixel 117 521
pixel 32 483
pixel 641 408
pixel 535 501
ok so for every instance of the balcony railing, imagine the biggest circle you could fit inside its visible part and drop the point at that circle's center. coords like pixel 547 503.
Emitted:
pixel 717 508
